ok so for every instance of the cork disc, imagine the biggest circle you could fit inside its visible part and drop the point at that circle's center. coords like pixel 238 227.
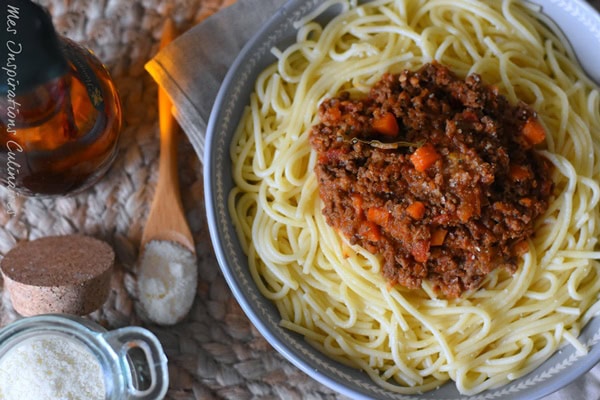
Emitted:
pixel 58 274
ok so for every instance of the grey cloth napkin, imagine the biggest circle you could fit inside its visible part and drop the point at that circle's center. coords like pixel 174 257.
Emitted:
pixel 192 68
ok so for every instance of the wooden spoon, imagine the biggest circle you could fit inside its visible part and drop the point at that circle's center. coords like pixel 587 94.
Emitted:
pixel 167 274
pixel 166 220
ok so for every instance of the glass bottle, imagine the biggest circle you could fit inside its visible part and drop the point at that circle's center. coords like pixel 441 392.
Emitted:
pixel 60 115
pixel 131 359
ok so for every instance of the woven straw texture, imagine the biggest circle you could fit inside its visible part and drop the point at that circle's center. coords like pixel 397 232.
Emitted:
pixel 215 353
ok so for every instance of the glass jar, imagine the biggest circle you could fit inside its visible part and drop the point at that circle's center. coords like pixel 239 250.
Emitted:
pixel 60 113
pixel 131 361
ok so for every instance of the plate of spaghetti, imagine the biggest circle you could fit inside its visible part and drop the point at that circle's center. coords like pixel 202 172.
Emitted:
pixel 403 195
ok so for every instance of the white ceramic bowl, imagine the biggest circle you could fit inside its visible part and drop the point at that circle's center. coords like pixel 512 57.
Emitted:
pixel 580 23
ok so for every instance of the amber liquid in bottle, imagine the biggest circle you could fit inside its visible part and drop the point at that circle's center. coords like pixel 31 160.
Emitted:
pixel 65 134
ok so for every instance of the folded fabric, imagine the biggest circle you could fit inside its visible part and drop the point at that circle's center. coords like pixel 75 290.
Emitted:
pixel 192 67
pixel 191 70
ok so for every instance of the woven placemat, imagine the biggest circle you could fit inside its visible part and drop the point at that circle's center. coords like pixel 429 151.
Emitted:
pixel 215 353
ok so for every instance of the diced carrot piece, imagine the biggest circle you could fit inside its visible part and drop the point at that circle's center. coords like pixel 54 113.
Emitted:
pixel 526 202
pixel 357 203
pixel 470 116
pixel 378 215
pixel 534 131
pixel 420 251
pixel 519 172
pixel 424 157
pixel 386 124
pixel 438 236
pixel 521 247
pixel 416 210
pixel 335 114
pixel 371 231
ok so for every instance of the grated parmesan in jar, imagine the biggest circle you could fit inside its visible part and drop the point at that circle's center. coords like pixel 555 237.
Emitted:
pixel 50 368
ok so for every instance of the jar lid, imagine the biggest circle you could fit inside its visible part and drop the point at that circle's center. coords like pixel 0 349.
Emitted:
pixel 34 56
pixel 58 274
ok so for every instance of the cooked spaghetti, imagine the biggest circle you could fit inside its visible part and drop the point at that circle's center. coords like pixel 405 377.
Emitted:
pixel 333 292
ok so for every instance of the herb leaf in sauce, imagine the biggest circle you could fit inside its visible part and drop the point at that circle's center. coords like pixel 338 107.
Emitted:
pixel 387 145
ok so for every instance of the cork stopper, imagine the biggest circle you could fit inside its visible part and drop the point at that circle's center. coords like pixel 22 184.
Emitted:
pixel 58 274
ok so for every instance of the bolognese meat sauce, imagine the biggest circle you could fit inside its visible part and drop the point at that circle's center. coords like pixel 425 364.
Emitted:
pixel 436 174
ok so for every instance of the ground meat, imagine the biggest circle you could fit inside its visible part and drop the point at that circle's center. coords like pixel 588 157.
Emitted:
pixel 436 174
